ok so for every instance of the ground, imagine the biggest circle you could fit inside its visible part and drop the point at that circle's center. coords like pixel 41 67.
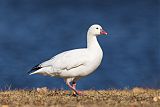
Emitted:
pixel 43 97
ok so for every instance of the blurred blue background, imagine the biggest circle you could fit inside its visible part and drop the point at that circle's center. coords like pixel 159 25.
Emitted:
pixel 34 31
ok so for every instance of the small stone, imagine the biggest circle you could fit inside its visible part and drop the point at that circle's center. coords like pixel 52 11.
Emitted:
pixel 138 90
pixel 42 90
pixel 155 99
pixel 5 105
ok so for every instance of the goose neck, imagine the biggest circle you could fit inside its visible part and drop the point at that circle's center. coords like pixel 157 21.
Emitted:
pixel 92 41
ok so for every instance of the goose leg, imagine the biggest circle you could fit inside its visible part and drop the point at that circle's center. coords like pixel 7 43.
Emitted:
pixel 73 87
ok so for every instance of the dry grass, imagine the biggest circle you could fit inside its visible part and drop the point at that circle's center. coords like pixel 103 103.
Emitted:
pixel 43 97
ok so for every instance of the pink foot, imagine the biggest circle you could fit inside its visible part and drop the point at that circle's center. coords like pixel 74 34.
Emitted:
pixel 80 93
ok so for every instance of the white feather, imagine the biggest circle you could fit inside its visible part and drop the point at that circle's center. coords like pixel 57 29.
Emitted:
pixel 75 63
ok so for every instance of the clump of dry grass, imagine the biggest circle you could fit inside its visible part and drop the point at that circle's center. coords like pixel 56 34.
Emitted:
pixel 43 97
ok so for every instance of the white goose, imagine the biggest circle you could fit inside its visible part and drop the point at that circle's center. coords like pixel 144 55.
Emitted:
pixel 73 64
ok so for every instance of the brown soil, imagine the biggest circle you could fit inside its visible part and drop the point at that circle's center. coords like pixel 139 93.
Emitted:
pixel 42 97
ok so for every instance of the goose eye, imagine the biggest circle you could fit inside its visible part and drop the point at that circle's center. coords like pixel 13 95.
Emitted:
pixel 97 28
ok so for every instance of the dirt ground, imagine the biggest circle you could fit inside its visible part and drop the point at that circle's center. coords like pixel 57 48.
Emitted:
pixel 43 97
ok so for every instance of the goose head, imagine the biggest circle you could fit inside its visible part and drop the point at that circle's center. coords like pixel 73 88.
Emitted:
pixel 96 30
